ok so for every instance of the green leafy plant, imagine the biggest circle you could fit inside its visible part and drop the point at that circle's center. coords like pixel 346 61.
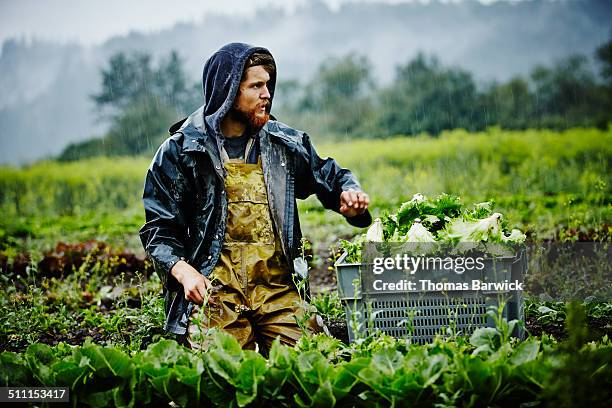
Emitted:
pixel 329 306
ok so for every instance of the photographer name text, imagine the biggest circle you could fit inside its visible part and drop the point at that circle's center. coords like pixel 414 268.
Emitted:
pixel 428 285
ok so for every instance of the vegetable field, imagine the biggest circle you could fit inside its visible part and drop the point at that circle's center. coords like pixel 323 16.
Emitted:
pixel 82 308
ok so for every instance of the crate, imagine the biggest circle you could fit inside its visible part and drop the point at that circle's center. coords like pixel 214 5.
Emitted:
pixel 421 315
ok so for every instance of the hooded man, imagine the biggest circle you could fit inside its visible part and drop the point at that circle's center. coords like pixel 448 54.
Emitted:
pixel 220 205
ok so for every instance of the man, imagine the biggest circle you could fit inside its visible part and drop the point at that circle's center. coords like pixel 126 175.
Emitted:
pixel 220 204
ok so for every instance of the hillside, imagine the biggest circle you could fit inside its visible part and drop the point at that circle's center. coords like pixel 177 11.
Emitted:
pixel 46 87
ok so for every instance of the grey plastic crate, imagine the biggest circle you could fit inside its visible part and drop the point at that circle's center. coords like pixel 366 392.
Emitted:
pixel 419 316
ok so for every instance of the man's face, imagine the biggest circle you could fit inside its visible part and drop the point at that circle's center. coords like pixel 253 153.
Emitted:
pixel 252 104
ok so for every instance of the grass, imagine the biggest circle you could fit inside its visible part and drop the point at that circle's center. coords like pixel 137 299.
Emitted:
pixel 544 181
pixel 553 185
pixel 124 311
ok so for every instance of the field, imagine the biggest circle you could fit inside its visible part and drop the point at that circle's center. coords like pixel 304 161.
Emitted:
pixel 73 268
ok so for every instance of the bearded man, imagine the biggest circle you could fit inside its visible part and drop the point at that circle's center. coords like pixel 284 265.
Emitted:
pixel 220 204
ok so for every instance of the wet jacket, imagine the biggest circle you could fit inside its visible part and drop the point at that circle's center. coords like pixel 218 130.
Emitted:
pixel 184 195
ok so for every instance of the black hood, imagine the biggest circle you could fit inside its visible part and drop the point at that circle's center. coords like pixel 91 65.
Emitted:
pixel 221 79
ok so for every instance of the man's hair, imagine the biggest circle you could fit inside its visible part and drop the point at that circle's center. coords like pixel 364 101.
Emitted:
pixel 263 59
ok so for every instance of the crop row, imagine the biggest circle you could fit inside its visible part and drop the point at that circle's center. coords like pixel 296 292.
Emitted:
pixel 539 178
pixel 490 369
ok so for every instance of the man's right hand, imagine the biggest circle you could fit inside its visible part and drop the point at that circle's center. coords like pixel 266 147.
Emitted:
pixel 196 285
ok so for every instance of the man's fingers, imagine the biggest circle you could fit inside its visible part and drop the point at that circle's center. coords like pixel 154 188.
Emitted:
pixel 345 199
pixel 347 211
pixel 194 296
pixel 355 199
pixel 359 201
pixel 364 201
pixel 353 203
pixel 199 295
pixel 203 287
pixel 207 283
pixel 197 291
pixel 349 197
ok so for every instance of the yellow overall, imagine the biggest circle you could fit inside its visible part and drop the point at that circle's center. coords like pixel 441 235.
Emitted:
pixel 257 300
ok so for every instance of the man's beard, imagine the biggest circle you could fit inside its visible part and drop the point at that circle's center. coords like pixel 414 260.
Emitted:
pixel 250 118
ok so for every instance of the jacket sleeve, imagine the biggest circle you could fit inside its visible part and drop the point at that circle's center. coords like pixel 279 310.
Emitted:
pixel 328 180
pixel 165 228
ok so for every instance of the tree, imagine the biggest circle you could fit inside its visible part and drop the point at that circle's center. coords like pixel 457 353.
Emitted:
pixel 143 101
pixel 140 128
pixel 131 77
pixel 172 85
pixel 287 95
pixel 509 104
pixel 426 97
pixel 126 79
pixel 566 94
pixel 340 93
pixel 604 56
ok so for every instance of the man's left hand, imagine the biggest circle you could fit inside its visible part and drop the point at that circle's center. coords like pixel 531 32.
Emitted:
pixel 353 203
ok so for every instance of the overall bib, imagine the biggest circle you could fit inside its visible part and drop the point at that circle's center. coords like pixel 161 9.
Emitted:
pixel 258 300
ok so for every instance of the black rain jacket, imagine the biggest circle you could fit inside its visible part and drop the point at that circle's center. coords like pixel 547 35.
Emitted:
pixel 184 195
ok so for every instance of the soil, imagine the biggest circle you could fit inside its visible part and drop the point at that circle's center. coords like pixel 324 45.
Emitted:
pixel 534 328
pixel 597 329
pixel 322 279
pixel 65 258
pixel 338 329
pixel 78 335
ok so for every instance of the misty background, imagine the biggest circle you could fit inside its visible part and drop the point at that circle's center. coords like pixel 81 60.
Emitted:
pixel 52 87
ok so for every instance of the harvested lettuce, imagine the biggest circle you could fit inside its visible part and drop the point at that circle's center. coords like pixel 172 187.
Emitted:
pixel 418 233
pixel 485 230
pixel 480 210
pixel 515 237
pixel 353 249
pixel 375 232
pixel 419 239
pixel 417 207
pixel 389 222
pixel 422 220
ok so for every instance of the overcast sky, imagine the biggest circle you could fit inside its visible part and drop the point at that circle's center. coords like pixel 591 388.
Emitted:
pixel 91 22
